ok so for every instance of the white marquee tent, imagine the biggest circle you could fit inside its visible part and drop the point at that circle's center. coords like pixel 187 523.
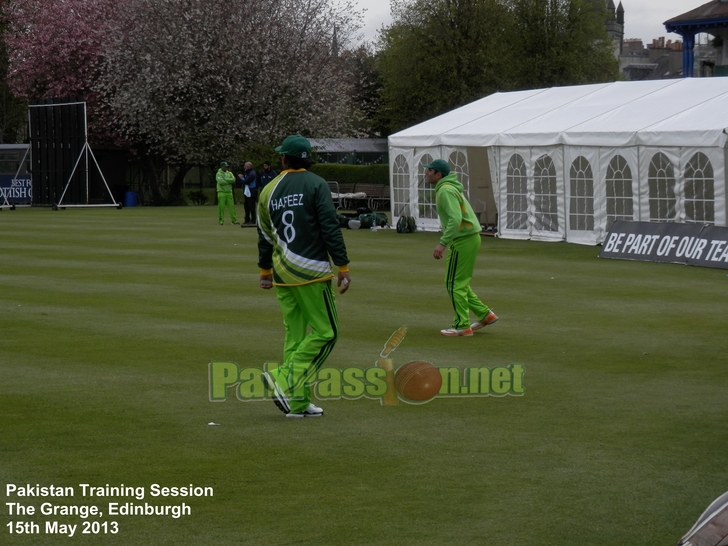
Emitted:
pixel 562 164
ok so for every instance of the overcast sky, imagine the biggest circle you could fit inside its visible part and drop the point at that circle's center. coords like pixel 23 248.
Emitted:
pixel 642 18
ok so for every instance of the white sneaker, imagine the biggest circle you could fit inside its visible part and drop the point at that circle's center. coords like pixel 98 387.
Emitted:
pixel 279 399
pixel 310 411
pixel 453 332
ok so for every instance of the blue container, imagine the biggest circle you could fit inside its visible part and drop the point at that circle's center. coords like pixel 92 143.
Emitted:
pixel 131 199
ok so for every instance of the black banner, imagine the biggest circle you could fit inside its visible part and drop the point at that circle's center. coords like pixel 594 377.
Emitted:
pixel 690 244
pixel 15 191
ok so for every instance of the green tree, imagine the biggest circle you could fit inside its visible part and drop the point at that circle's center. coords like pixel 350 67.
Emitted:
pixel 440 54
pixel 560 42
pixel 366 90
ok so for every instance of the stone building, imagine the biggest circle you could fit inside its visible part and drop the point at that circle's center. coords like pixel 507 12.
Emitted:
pixel 615 26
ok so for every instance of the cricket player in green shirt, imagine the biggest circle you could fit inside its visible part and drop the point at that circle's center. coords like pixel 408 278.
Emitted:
pixel 298 235
pixel 461 235
pixel 225 198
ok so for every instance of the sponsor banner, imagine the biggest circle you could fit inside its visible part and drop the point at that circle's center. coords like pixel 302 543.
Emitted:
pixel 15 191
pixel 690 244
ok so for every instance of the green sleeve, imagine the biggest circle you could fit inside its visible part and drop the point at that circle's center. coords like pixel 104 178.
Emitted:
pixel 451 215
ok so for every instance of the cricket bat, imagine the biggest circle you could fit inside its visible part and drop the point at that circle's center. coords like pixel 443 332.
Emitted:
pixel 390 397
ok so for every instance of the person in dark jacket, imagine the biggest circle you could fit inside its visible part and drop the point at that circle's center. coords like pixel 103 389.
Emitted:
pixel 265 176
pixel 250 191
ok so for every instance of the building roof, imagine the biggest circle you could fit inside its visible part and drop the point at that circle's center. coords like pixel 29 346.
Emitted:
pixel 679 112
pixel 642 66
pixel 712 14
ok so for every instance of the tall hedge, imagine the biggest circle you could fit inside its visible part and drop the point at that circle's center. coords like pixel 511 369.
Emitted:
pixel 344 174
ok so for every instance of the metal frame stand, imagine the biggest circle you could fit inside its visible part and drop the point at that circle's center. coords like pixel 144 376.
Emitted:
pixel 87 149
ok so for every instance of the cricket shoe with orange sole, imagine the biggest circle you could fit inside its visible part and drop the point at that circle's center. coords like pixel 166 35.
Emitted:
pixel 490 318
pixel 454 332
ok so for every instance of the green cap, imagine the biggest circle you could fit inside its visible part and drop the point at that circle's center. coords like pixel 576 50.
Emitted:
pixel 224 164
pixel 440 165
pixel 295 146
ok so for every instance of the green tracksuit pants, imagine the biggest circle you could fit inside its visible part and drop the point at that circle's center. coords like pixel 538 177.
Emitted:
pixel 460 267
pixel 225 201
pixel 307 306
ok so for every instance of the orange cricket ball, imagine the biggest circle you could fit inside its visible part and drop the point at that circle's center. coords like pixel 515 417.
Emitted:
pixel 418 381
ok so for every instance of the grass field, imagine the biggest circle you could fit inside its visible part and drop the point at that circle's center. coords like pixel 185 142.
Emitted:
pixel 109 319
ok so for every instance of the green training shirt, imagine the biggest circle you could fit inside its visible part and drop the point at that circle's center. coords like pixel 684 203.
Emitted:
pixel 225 181
pixel 298 229
pixel 456 215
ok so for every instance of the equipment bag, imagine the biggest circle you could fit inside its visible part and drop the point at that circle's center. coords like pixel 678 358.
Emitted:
pixel 373 219
pixel 343 220
pixel 406 224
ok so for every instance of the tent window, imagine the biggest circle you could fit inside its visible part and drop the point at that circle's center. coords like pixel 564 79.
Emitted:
pixel 516 194
pixel 619 191
pixel 459 164
pixel 661 183
pixel 401 186
pixel 581 200
pixel 699 190
pixel 545 197
pixel 425 191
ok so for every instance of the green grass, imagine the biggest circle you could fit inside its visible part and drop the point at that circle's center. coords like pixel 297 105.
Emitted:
pixel 108 320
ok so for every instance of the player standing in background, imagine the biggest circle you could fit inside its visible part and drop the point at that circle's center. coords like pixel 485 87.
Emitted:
pixel 298 231
pixel 225 199
pixel 461 233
